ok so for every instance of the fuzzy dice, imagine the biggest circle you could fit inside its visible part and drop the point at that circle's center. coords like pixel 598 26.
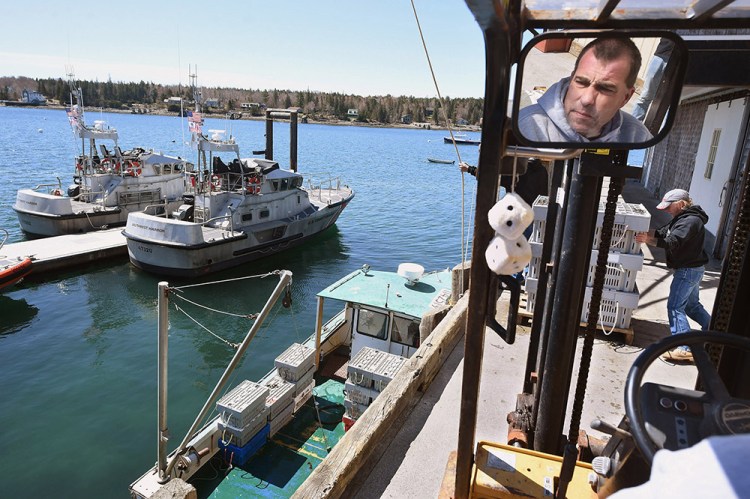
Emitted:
pixel 506 257
pixel 510 216
pixel 509 251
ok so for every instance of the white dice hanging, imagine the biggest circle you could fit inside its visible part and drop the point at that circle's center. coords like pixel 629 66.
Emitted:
pixel 510 216
pixel 507 257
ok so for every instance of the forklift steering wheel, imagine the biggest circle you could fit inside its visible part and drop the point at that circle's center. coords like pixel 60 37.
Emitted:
pixel 665 417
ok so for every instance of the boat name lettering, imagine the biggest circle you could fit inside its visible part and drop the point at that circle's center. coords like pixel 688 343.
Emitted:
pixel 147 227
pixel 32 203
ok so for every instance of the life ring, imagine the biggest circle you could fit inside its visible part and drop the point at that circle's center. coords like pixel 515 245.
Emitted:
pixel 215 182
pixel 134 168
pixel 253 185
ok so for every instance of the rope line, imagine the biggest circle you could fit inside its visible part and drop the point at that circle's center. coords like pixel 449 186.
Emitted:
pixel 259 276
pixel 245 316
pixel 232 345
pixel 450 131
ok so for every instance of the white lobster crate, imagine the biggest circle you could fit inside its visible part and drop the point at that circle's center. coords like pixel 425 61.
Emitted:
pixel 280 420
pixel 615 309
pixel 240 406
pixel 372 368
pixel 295 362
pixel 280 395
pixel 621 272
pixel 241 436
pixel 359 394
pixel 303 396
pixel 630 218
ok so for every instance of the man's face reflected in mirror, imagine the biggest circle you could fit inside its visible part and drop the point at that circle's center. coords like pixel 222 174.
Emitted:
pixel 598 89
pixel 585 103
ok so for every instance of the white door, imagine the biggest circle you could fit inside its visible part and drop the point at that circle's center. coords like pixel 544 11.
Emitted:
pixel 715 159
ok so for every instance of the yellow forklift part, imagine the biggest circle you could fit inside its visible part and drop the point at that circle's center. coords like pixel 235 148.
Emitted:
pixel 502 471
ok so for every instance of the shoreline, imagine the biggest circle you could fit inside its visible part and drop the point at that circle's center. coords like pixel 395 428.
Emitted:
pixel 309 121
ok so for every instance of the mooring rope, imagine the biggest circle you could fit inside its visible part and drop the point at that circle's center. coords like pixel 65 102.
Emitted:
pixel 450 130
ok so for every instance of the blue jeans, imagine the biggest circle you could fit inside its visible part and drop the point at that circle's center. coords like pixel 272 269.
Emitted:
pixel 683 301
pixel 651 82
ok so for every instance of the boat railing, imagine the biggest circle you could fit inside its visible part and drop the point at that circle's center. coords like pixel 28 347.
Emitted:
pixel 314 185
pixel 213 220
pixel 52 188
pixel 5 237
pixel 157 210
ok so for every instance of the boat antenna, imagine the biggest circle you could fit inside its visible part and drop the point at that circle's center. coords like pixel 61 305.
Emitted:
pixel 450 130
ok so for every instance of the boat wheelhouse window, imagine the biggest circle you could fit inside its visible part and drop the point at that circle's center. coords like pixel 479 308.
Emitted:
pixel 296 182
pixel 167 169
pixel 405 331
pixel 246 217
pixel 157 169
pixel 284 184
pixel 275 185
pixel 265 213
pixel 372 323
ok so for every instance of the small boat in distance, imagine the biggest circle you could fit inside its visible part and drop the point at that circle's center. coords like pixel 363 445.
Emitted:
pixel 276 431
pixel 243 208
pixel 441 161
pixel 461 139
pixel 106 188
pixel 12 270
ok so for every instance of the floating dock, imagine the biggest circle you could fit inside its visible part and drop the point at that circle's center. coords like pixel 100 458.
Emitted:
pixel 61 252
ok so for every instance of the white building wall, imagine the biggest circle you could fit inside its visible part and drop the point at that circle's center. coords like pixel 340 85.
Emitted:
pixel 726 116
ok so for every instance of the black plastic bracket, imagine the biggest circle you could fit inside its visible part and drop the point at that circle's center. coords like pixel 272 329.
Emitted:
pixel 510 284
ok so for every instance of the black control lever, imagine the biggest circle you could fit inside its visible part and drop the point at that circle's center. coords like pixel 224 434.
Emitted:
pixel 511 284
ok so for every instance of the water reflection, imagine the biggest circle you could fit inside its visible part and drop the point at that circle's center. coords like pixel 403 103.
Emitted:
pixel 17 314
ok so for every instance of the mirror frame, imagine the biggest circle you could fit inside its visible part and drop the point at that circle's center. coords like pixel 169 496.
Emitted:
pixel 673 100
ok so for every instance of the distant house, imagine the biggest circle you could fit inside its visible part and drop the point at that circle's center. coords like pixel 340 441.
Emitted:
pixel 173 101
pixel 255 108
pixel 33 97
pixel 429 112
pixel 352 114
pixel 406 119
pixel 211 103
pixel 461 122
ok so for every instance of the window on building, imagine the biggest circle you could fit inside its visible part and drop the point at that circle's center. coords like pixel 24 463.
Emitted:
pixel 713 148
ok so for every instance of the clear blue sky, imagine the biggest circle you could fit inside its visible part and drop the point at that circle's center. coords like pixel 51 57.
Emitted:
pixel 350 46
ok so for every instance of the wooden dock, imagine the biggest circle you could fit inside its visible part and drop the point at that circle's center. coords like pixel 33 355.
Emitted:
pixel 62 252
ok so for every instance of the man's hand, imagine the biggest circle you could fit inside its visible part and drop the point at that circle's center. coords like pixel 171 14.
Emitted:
pixel 646 237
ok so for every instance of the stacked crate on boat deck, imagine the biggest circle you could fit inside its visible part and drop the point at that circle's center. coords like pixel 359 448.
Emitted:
pixel 280 401
pixel 243 420
pixel 368 373
pixel 297 366
pixel 624 261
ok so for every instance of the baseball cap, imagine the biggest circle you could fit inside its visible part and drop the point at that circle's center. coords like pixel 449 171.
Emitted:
pixel 672 196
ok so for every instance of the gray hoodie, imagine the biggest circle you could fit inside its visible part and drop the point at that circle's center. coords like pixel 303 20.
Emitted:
pixel 545 121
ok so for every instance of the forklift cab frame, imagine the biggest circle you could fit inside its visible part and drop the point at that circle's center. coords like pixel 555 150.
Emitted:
pixel 553 338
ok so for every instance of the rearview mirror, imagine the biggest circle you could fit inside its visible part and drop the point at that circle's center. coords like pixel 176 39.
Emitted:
pixel 578 89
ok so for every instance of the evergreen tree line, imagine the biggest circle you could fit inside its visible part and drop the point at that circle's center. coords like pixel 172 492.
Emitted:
pixel 386 109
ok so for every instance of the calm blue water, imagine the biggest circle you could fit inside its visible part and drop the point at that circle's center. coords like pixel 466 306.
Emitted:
pixel 78 352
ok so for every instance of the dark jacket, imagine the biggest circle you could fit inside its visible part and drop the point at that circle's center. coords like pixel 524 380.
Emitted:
pixel 683 238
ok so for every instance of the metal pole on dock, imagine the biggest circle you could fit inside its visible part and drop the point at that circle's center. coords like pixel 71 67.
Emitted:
pixel 163 430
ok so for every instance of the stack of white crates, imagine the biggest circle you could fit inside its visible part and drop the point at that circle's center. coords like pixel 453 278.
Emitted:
pixel 253 412
pixel 243 420
pixel 368 374
pixel 624 261
pixel 296 366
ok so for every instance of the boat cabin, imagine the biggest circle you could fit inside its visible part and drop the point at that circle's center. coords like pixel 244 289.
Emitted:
pixel 383 310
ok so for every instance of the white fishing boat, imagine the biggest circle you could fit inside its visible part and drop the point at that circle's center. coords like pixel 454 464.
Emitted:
pixel 109 183
pixel 270 434
pixel 243 208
